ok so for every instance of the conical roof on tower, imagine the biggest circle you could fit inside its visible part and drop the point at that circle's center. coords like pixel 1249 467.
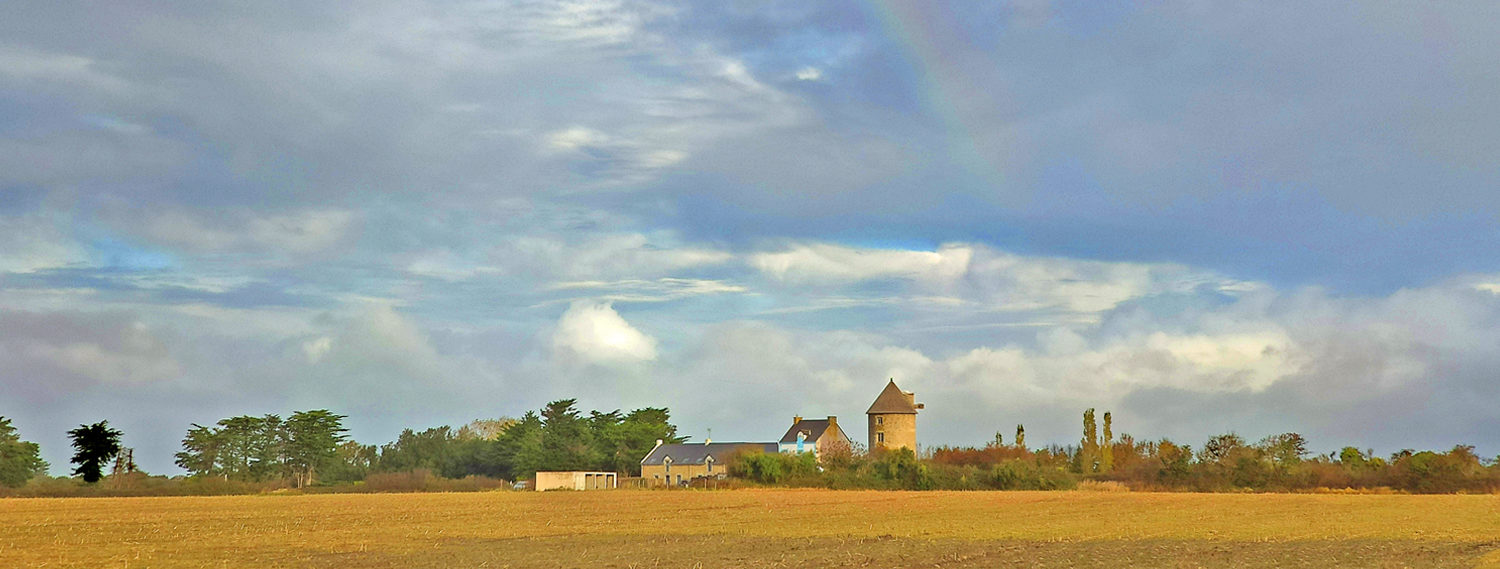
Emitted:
pixel 893 400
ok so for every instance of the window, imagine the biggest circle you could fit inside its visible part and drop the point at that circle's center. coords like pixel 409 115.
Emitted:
pixel 879 437
pixel 880 420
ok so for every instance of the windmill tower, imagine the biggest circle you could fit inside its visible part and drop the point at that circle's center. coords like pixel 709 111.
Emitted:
pixel 893 419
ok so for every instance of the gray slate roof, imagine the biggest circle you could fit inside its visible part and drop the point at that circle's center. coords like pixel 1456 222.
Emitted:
pixel 814 427
pixel 698 453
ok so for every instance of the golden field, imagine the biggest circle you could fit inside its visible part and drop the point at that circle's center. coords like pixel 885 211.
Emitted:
pixel 754 528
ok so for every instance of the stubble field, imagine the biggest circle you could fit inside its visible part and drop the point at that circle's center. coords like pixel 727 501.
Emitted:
pixel 754 528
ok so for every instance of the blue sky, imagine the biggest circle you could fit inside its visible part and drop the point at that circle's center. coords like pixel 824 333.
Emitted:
pixel 1204 216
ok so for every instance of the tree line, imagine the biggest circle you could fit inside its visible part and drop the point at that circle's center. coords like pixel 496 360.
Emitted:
pixel 1226 462
pixel 312 448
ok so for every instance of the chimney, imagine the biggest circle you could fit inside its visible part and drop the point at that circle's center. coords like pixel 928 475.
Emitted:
pixel 911 398
pixel 833 421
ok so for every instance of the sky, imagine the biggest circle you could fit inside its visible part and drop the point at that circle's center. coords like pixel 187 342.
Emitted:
pixel 1204 217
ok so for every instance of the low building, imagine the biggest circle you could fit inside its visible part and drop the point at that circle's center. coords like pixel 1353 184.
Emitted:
pixel 680 463
pixel 812 435
pixel 576 480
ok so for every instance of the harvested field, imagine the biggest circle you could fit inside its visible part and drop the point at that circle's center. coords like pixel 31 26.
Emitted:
pixel 753 528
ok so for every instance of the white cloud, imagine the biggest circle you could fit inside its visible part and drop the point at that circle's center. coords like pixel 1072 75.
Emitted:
pixel 638 290
pixel 596 333
pixel 827 263
pixel 976 277
pixel 616 159
pixel 809 74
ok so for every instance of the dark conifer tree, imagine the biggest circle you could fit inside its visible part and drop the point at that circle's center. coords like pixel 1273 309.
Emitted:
pixel 93 446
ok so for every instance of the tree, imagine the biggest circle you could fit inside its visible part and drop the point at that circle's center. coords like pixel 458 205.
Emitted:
pixel 567 441
pixel 1285 449
pixel 19 460
pixel 1021 436
pixel 351 463
pixel 621 441
pixel 93 445
pixel 1107 453
pixel 1176 460
pixel 200 452
pixel 238 448
pixel 1089 452
pixel 486 429
pixel 519 448
pixel 312 440
pixel 1220 447
pixel 429 449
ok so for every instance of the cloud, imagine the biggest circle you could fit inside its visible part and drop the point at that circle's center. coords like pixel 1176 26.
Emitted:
pixel 636 290
pixel 823 263
pixel 972 276
pixel 53 354
pixel 295 233
pixel 22 66
pixel 595 333
pixel 1336 369
pixel 38 242
pixel 584 255
pixel 1202 218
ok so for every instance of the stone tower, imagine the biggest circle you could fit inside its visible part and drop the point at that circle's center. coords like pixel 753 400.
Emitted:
pixel 893 419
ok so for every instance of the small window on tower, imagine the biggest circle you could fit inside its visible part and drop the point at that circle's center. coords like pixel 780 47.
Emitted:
pixel 880 420
pixel 879 437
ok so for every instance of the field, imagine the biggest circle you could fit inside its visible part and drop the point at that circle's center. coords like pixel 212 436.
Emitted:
pixel 754 528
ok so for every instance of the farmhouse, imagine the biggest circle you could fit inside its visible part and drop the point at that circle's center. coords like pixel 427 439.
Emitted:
pixel 812 435
pixel 679 463
pixel 893 419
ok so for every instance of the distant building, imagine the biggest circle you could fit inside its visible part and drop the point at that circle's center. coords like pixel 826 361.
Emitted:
pixel 812 435
pixel 679 463
pixel 893 419
pixel 576 480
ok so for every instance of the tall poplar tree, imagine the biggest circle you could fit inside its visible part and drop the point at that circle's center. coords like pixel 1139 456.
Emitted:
pixel 1107 452
pixel 1090 444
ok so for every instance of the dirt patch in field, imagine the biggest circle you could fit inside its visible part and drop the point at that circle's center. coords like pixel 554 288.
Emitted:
pixel 731 551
